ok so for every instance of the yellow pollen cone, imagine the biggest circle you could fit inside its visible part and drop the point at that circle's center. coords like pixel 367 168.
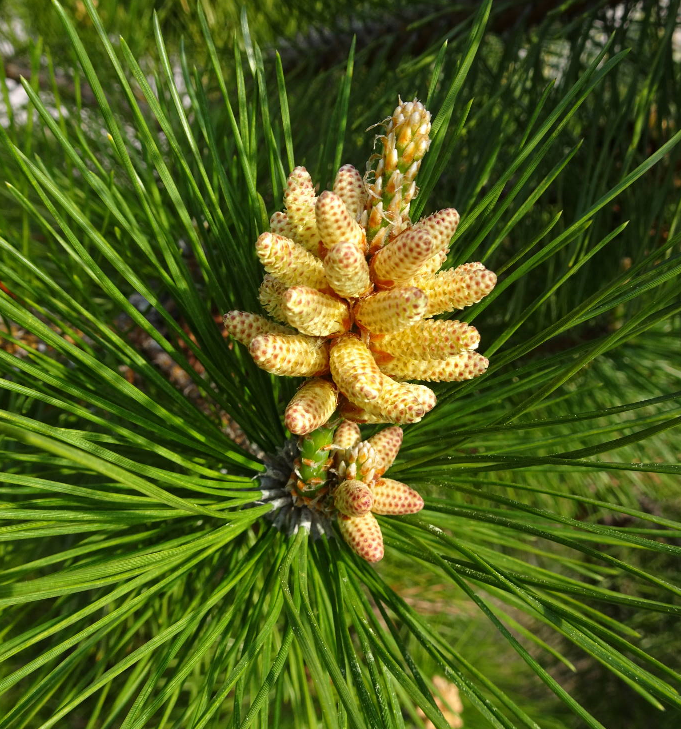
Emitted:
pixel 313 313
pixel 429 268
pixel 299 199
pixel 431 339
pixel 311 406
pixel 349 186
pixel 353 498
pixel 457 288
pixel 290 262
pixel 363 535
pixel 464 366
pixel 293 355
pixel 281 225
pixel 347 271
pixel 394 498
pixel 357 414
pixel 391 311
pixel 354 370
pixel 245 327
pixel 299 195
pixel 271 295
pixel 401 259
pixel 335 224
pixel 400 402
pixel 347 435
pixel 386 445
pixel 440 226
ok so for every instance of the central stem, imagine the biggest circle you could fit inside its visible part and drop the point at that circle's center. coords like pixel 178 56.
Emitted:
pixel 316 457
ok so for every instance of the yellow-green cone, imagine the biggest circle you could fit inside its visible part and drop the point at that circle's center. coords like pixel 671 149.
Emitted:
pixel 245 327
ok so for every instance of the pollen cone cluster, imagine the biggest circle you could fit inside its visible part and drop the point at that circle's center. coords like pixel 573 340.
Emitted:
pixel 362 490
pixel 332 474
pixel 353 284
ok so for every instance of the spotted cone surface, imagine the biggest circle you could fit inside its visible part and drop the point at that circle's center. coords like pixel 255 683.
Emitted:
pixel 362 488
pixel 311 406
pixel 358 282
pixel 363 535
pixel 393 497
pixel 353 498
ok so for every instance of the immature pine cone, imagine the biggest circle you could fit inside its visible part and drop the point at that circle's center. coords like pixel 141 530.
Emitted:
pixel 362 490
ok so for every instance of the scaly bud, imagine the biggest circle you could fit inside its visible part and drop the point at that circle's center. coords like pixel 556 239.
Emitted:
pixel 386 446
pixel 312 467
pixel 383 236
pixel 347 435
pixel 245 327
pixel 335 224
pixel 349 187
pixel 292 355
pixel 353 498
pixel 440 226
pixel 354 370
pixel 431 339
pixel 313 313
pixel 391 311
pixel 311 406
pixel 290 262
pixel 271 295
pixel 358 463
pixel 281 225
pixel 400 259
pixel 376 217
pixel 461 367
pixel 393 498
pixel 347 271
pixel 363 535
pixel 457 288
pixel 410 123
pixel 299 198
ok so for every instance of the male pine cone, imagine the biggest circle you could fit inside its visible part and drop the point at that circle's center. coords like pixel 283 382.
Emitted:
pixel 356 283
pixel 363 491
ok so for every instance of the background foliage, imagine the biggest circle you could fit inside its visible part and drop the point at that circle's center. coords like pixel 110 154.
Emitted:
pixel 542 578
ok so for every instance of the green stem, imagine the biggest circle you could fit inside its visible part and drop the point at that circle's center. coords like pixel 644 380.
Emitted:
pixel 316 456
